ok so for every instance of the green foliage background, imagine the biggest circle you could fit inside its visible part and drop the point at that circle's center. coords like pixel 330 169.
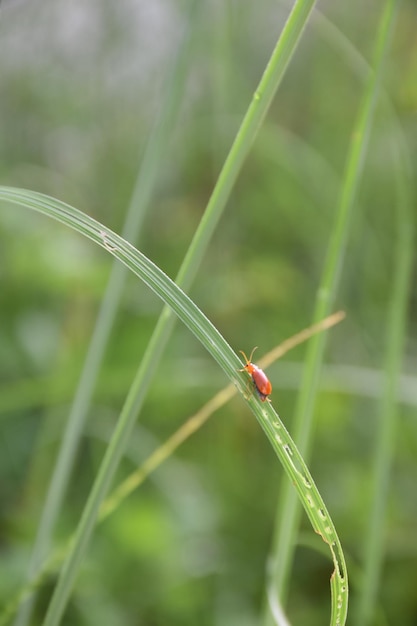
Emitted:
pixel 81 85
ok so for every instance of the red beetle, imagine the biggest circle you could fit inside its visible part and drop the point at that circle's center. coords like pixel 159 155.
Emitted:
pixel 260 380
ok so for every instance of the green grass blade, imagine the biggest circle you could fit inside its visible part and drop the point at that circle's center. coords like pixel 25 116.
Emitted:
pixel 240 148
pixel 245 137
pixel 385 434
pixel 287 522
pixel 202 328
pixel 136 212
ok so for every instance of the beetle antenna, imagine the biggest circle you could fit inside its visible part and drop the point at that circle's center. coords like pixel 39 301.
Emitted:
pixel 244 355
pixel 251 354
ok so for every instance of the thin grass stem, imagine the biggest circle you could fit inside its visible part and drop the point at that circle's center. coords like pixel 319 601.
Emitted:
pixel 288 513
pixel 375 538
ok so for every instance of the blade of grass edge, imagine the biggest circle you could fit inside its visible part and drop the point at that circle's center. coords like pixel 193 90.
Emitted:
pixel 216 345
pixel 135 214
pixel 287 523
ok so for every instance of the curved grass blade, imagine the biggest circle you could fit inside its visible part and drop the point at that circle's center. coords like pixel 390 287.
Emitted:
pixel 216 345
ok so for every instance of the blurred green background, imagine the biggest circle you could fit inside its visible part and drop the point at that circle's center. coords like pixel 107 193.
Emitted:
pixel 81 84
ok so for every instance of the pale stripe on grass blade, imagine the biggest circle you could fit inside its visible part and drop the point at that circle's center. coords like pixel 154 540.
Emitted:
pixel 288 511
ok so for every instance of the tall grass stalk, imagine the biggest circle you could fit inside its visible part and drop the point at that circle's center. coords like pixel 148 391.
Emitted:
pixel 288 513
pixel 375 538
pixel 404 233
pixel 257 110
pixel 145 183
